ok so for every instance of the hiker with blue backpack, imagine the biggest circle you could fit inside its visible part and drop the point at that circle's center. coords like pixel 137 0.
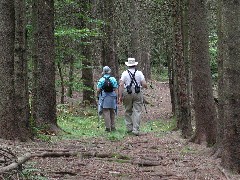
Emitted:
pixel 130 93
pixel 107 98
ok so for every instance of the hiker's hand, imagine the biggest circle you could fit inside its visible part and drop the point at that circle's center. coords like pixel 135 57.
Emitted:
pixel 119 100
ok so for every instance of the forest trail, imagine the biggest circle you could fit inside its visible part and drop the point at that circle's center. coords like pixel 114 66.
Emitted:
pixel 152 156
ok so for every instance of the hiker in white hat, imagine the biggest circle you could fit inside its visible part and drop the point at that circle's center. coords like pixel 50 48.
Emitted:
pixel 131 83
pixel 131 62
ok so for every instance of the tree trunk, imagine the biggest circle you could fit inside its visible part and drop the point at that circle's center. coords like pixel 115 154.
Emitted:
pixel 44 94
pixel 231 74
pixel 168 50
pixel 71 78
pixel 87 77
pixel 183 118
pixel 21 71
pixel 185 34
pixel 109 42
pixel 61 82
pixel 205 112
pixel 87 70
pixel 171 80
pixel 144 38
pixel 134 50
pixel 8 123
pixel 220 98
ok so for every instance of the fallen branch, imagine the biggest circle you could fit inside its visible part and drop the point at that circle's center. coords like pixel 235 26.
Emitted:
pixel 27 156
pixel 40 150
pixel 7 156
pixel 115 160
pixel 55 154
pixel 147 163
pixel 63 172
pixel 15 165
pixel 222 171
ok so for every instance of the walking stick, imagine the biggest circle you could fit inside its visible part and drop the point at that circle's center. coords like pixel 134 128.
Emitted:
pixel 98 121
pixel 147 114
pixel 98 112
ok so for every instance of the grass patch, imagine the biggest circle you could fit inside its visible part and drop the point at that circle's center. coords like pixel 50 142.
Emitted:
pixel 29 172
pixel 187 150
pixel 88 124
pixel 159 126
pixel 120 156
pixel 160 74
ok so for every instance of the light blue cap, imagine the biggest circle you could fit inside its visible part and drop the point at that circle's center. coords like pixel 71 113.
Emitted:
pixel 106 70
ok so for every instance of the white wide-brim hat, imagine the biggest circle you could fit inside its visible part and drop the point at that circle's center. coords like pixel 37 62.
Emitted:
pixel 131 62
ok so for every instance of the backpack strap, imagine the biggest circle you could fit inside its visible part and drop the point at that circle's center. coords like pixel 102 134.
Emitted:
pixel 132 76
pixel 107 77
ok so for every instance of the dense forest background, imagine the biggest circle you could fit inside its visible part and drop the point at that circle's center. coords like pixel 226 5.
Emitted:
pixel 51 50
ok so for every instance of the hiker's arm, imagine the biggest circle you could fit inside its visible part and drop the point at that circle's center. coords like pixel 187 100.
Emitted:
pixel 99 87
pixel 116 91
pixel 120 90
pixel 144 83
pixel 98 92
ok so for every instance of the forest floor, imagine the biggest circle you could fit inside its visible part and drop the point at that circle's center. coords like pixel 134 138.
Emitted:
pixel 151 156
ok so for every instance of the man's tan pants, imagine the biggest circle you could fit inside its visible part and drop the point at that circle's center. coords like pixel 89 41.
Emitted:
pixel 133 108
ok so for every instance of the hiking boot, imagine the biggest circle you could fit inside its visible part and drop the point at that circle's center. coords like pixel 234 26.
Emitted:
pixel 107 130
pixel 136 133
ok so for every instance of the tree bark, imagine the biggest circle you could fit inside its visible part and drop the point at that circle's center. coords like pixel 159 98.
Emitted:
pixel 134 50
pixel 8 121
pixel 87 70
pixel 231 93
pixel 109 42
pixel 44 94
pixel 183 114
pixel 21 71
pixel 205 112
pixel 61 82
pixel 145 39
pixel 71 78
pixel 220 58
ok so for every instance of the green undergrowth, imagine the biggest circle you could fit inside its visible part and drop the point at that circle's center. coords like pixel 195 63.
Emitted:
pixel 87 124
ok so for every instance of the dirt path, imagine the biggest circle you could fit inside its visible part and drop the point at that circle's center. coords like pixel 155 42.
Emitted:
pixel 151 156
